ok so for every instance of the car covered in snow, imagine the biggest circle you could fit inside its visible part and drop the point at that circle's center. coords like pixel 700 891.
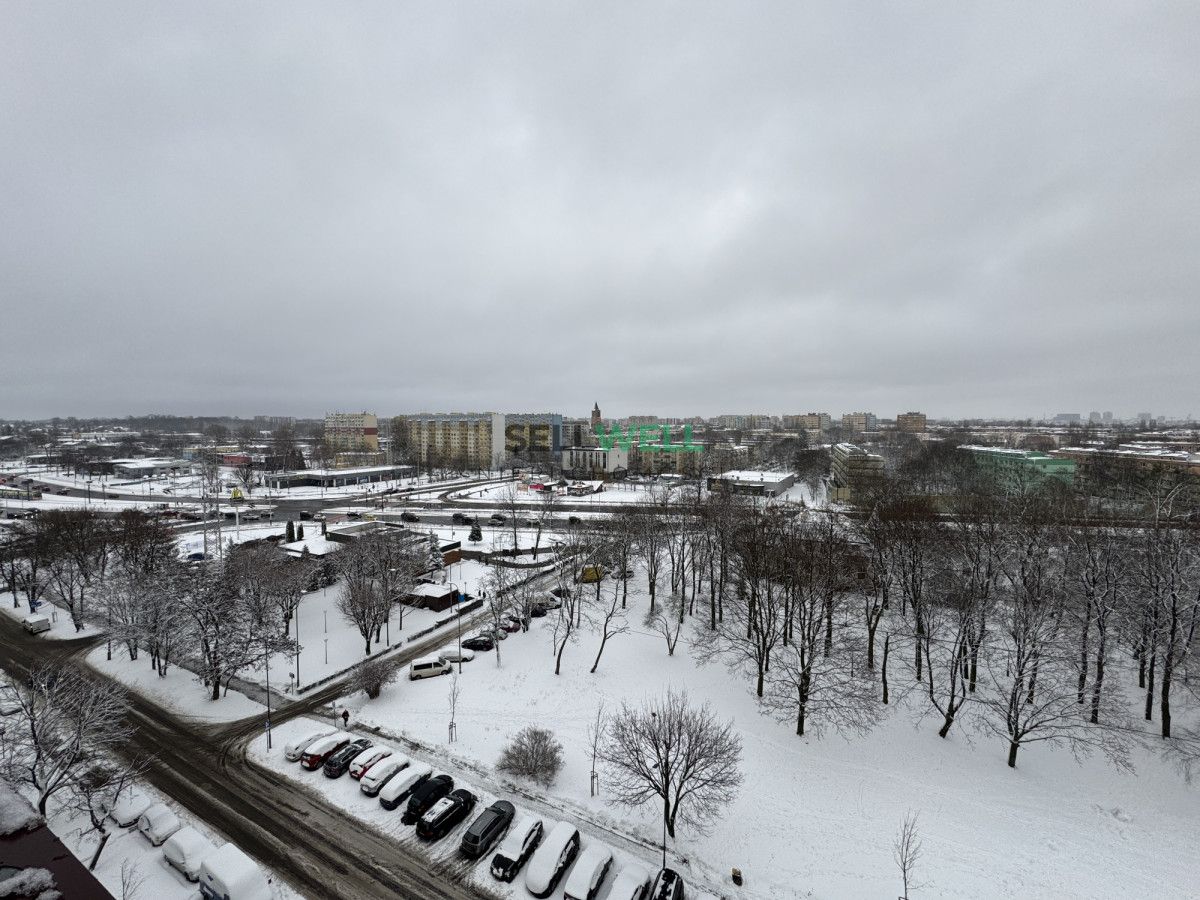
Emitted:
pixel 552 859
pixel 668 885
pixel 401 785
pixel 339 761
pixel 425 796
pixel 487 828
pixel 129 808
pixel 631 883
pixel 158 823
pixel 584 881
pixel 445 815
pixel 362 763
pixel 453 654
pixel 293 750
pixel 518 845
pixel 185 851
pixel 229 874
pixel 316 753
pixel 379 774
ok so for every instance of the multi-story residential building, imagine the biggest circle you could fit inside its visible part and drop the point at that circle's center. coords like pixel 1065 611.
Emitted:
pixel 912 422
pixel 812 422
pixel 858 422
pixel 528 434
pixel 1097 466
pixel 1067 419
pixel 352 431
pixel 854 470
pixel 594 462
pixel 1020 468
pixel 472 440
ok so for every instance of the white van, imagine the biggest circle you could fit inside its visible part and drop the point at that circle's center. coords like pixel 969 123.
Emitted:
pixel 229 874
pixel 158 823
pixel 427 667
pixel 552 859
pixel 36 624
pixel 185 850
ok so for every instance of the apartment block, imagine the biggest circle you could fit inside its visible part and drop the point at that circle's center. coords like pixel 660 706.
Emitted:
pixel 858 422
pixel 352 431
pixel 911 422
pixel 472 440
pixel 1019 468
pixel 854 471
pixel 812 422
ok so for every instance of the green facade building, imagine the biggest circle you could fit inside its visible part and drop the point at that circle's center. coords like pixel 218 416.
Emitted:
pixel 1022 466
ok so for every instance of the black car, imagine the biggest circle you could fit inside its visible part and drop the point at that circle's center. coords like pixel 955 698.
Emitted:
pixel 486 829
pixel 497 518
pixel 574 520
pixel 667 886
pixel 537 611
pixel 336 765
pixel 480 642
pixel 443 816
pixel 305 514
pixel 425 796
pixel 409 517
pixel 516 849
pixel 458 518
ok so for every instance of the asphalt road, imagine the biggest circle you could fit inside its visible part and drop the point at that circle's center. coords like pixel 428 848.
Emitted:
pixel 319 850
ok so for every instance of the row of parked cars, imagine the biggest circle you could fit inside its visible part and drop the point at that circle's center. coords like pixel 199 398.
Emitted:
pixel 223 873
pixel 545 850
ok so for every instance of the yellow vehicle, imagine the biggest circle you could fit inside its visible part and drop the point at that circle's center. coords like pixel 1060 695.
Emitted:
pixel 591 574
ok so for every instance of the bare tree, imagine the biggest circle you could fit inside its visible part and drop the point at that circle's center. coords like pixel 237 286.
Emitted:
pixel 66 720
pixel 132 879
pixel 361 601
pixel 596 731
pixel 666 619
pixel 372 676
pixel 906 851
pixel 534 753
pixel 675 752
pixel 455 690
pixel 609 618
pixel 96 791
pixel 498 599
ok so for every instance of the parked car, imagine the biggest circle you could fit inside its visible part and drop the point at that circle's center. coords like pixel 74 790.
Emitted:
pixel 381 773
pixel 631 883
pixel 229 874
pixel 295 749
pixel 510 625
pixel 453 654
pixel 668 885
pixel 428 667
pixel 339 762
pixel 458 518
pixel 573 520
pixel 441 818
pixel 552 859
pixel 496 634
pixel 401 785
pixel 409 517
pixel 538 611
pixel 584 881
pixel 479 642
pixel 129 808
pixel 497 519
pixel 36 624
pixel 318 751
pixel 370 757
pixel 487 828
pixel 561 591
pixel 518 845
pixel 305 514
pixel 425 796
pixel 185 851
pixel 158 823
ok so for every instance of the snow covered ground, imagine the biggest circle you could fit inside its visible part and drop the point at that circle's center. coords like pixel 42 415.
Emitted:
pixel 816 817
pixel 193 541
pixel 179 691
pixel 61 628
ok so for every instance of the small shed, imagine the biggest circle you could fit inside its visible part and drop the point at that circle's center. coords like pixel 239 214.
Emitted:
pixel 438 597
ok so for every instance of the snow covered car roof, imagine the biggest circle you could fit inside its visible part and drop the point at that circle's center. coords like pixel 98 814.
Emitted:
pixel 545 859
pixel 586 870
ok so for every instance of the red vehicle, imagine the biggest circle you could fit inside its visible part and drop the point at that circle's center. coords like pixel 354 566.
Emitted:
pixel 316 754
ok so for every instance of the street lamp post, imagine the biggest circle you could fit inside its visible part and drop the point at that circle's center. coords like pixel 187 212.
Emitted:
pixel 268 659
pixel 457 624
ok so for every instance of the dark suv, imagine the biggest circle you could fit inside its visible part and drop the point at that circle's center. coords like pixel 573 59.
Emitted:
pixel 425 796
pixel 667 886
pixel 336 765
pixel 486 829
pixel 444 815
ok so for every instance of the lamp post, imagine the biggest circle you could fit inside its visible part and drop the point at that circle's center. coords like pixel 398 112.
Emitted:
pixel 268 659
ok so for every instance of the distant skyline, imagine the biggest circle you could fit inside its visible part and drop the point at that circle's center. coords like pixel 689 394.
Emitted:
pixel 980 210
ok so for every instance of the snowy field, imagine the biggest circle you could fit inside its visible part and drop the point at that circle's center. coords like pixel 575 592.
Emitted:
pixel 816 817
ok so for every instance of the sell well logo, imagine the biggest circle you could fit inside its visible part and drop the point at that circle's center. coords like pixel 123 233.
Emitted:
pixel 654 437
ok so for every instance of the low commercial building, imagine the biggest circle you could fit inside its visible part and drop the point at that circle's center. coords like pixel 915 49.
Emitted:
pixel 755 484
pixel 148 468
pixel 332 478
pixel 582 462
pixel 853 471
pixel 1016 468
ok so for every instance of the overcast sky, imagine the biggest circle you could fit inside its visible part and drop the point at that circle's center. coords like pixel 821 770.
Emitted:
pixel 671 208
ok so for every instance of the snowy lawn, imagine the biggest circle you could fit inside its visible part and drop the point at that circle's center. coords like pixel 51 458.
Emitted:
pixel 180 691
pixel 817 817
pixel 61 628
